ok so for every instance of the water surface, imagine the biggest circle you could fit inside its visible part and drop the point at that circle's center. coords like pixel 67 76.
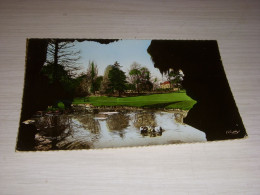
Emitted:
pixel 104 129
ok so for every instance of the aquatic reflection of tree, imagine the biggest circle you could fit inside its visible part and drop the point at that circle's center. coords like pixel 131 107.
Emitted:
pixel 51 130
pixel 58 132
pixel 178 117
pixel 72 141
pixel 89 123
pixel 53 126
pixel 144 119
pixel 71 144
pixel 117 123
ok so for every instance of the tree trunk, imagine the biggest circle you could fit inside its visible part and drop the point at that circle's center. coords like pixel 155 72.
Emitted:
pixel 55 76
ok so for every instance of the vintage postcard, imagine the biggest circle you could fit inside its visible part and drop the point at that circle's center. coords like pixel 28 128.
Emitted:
pixel 100 93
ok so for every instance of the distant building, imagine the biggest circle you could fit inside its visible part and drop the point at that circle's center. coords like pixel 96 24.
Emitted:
pixel 165 85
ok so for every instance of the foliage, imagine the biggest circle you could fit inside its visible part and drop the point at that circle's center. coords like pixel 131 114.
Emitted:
pixel 61 65
pixel 89 82
pixel 105 81
pixel 140 77
pixel 98 82
pixel 92 75
pixel 82 89
pixel 130 86
pixel 117 79
pixel 61 105
pixel 155 83
pixel 175 78
pixel 116 64
pixel 62 53
pixel 55 72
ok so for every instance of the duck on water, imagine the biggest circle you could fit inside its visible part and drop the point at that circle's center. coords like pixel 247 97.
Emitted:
pixel 148 129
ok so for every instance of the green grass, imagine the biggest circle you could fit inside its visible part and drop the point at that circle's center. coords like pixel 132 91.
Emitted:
pixel 61 105
pixel 169 100
pixel 184 105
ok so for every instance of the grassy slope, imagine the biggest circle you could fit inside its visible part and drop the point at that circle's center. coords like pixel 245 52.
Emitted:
pixel 168 100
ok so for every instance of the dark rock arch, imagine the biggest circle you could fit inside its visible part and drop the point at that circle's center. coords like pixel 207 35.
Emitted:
pixel 205 81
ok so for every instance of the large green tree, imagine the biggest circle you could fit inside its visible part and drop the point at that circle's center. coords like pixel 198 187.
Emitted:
pixel 92 75
pixel 117 79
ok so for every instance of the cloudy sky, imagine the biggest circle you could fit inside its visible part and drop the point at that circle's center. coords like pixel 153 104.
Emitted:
pixel 124 51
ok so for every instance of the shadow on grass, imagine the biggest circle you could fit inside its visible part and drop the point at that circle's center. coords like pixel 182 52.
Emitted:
pixel 161 105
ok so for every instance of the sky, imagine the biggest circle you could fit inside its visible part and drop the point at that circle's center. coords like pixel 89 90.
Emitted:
pixel 123 51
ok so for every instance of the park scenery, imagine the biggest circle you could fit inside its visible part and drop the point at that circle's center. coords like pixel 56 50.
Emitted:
pixel 89 94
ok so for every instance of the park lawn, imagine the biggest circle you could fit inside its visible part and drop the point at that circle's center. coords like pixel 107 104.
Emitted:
pixel 173 100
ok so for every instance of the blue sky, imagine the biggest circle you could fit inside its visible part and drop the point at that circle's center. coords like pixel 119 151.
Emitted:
pixel 124 51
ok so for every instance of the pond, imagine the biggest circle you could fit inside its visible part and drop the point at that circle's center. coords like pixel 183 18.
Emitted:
pixel 113 128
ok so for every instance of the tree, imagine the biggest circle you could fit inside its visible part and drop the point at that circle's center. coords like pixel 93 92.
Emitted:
pixel 145 83
pixel 140 77
pixel 98 82
pixel 61 66
pixel 175 78
pixel 89 81
pixel 55 73
pixel 82 89
pixel 61 53
pixel 134 75
pixel 117 79
pixel 155 83
pixel 104 88
pixel 116 64
pixel 92 75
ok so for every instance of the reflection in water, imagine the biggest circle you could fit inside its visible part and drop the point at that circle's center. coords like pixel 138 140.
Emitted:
pixel 89 123
pixel 81 138
pixel 116 123
pixel 114 129
pixel 51 128
pixel 53 125
pixel 144 119
pixel 179 116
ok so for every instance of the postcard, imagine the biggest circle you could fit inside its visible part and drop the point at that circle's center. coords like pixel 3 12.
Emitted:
pixel 110 93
